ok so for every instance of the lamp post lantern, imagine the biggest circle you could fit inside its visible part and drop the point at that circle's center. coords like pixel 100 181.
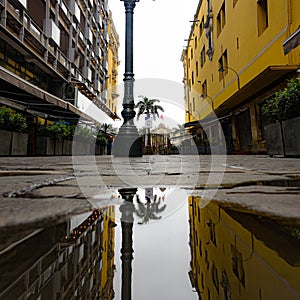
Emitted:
pixel 128 141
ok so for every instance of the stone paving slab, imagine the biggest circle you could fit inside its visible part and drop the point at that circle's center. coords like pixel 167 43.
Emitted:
pixel 267 201
pixel 26 211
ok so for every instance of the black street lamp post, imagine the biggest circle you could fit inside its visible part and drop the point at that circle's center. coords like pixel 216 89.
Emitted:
pixel 128 141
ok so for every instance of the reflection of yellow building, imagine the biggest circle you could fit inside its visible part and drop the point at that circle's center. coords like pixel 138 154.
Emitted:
pixel 239 52
pixel 113 64
pixel 238 256
pixel 107 247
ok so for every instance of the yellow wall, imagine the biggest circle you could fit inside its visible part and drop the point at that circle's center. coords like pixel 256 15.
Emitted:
pixel 267 274
pixel 107 247
pixel 249 54
pixel 113 64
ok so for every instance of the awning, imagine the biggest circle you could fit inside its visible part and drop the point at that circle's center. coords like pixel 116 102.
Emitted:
pixel 33 98
pixel 270 75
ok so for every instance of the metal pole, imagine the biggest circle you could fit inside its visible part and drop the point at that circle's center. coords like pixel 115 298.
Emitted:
pixel 128 141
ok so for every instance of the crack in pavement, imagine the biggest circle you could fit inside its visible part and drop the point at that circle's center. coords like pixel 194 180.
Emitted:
pixel 28 189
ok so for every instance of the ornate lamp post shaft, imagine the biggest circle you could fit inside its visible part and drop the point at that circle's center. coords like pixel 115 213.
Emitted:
pixel 128 142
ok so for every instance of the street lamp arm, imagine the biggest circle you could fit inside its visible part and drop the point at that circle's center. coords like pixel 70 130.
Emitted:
pixel 211 100
pixel 221 69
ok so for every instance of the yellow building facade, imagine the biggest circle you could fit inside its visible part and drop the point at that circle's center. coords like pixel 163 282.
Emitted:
pixel 238 53
pixel 113 65
pixel 108 253
pixel 236 255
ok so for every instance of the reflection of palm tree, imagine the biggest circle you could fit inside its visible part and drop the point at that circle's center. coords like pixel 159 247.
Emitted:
pixel 148 211
pixel 147 106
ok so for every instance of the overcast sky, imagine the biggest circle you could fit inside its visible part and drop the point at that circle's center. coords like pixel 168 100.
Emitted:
pixel 160 28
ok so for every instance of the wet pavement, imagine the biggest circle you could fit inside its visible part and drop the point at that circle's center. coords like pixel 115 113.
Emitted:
pixel 40 189
pixel 192 227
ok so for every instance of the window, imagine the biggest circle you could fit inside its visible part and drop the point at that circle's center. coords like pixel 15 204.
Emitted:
pixel 204 88
pixel 215 277
pixel 221 19
pixel 223 65
pixel 237 265
pixel 212 232
pixel 192 77
pixel 197 69
pixel 202 26
pixel 225 61
pixel 202 56
pixel 262 16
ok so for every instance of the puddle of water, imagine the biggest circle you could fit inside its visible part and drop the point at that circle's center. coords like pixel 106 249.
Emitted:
pixel 171 249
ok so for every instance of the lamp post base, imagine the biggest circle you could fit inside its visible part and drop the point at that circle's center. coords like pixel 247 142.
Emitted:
pixel 128 143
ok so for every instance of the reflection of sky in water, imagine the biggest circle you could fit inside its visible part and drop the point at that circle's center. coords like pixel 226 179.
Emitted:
pixel 161 252
pixel 172 197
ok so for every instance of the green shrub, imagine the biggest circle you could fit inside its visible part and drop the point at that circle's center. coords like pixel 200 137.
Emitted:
pixel 59 130
pixel 11 120
pixel 284 104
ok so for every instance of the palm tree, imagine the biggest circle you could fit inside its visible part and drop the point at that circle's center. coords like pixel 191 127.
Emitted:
pixel 149 108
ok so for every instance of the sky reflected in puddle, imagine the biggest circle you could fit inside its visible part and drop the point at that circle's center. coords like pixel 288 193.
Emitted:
pixel 158 244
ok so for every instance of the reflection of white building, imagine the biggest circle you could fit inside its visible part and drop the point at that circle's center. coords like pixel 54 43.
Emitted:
pixel 65 261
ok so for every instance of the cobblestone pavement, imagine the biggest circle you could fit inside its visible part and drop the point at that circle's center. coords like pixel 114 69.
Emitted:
pixel 38 190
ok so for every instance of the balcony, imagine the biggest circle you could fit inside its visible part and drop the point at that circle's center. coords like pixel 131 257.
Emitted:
pixel 52 31
pixel 98 17
pixel 21 4
pixel 75 10
pixel 89 35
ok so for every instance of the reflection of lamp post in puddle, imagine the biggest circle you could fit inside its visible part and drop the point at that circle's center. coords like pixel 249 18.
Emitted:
pixel 127 209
